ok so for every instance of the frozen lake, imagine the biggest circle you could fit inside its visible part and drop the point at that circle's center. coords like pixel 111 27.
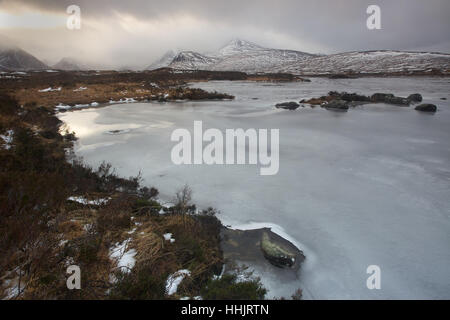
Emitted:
pixel 366 187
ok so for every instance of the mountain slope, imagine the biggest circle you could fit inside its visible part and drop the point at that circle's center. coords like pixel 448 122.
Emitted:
pixel 16 59
pixel 240 55
pixel 193 60
pixel 69 64
pixel 382 61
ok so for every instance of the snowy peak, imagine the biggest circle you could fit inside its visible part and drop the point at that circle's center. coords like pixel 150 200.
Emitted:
pixel 237 46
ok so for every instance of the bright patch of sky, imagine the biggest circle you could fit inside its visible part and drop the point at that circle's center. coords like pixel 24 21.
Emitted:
pixel 31 20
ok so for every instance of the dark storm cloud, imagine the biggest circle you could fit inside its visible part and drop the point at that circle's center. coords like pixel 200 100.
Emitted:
pixel 135 33
pixel 335 24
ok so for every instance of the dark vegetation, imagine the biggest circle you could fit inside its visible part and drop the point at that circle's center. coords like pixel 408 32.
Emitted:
pixel 42 232
pixel 227 287
pixel 103 86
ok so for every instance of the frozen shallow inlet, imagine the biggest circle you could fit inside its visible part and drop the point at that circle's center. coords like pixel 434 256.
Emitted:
pixel 367 187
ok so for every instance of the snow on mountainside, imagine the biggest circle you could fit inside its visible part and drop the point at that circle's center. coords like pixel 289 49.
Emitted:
pixel 238 46
pixel 16 59
pixel 164 61
pixel 240 55
pixel 382 61
pixel 193 60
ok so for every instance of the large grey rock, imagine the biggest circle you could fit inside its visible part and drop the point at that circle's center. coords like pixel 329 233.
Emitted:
pixel 253 248
pixel 427 107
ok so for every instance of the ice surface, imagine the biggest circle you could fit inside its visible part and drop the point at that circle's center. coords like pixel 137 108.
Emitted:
pixel 366 187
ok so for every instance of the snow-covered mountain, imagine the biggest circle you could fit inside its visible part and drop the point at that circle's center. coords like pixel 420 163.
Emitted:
pixel 240 55
pixel 162 62
pixel 16 59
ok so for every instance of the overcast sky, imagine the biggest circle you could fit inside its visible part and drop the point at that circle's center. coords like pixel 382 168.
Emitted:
pixel 134 33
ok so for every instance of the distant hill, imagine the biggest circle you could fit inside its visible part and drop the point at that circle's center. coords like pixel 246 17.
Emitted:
pixel 16 59
pixel 70 64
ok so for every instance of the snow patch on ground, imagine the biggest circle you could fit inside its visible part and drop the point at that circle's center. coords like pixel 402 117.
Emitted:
pixel 124 257
pixel 174 281
pixel 7 138
pixel 85 201
pixel 50 89
pixel 168 237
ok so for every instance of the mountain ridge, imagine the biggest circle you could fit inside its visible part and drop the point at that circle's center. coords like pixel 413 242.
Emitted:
pixel 245 56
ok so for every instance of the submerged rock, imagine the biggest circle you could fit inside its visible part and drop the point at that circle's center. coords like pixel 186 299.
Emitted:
pixel 288 105
pixel 427 107
pixel 276 253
